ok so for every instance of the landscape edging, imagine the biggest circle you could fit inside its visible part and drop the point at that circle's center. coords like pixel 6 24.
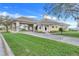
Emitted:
pixel 7 49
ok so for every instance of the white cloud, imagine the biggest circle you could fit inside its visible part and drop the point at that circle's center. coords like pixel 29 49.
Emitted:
pixel 12 15
pixel 73 24
pixel 54 18
pixel 4 13
pixel 16 15
pixel 5 7
pixel 50 17
pixel 32 16
pixel 47 17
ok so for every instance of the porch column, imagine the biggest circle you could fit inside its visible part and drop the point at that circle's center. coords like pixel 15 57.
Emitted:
pixel 43 28
pixel 17 26
pixel 49 28
pixel 38 27
pixel 34 25
pixel 12 28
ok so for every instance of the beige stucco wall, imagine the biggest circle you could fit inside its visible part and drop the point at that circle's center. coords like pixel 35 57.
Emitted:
pixel 42 29
pixel 55 28
pixel 51 28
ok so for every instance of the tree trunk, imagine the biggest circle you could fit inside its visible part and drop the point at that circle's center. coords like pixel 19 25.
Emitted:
pixel 7 29
pixel 61 32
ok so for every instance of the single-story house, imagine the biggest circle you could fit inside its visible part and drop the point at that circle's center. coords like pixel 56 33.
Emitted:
pixel 43 25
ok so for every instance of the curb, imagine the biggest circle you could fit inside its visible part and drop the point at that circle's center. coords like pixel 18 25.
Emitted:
pixel 7 49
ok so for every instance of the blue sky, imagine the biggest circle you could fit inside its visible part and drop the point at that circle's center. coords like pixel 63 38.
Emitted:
pixel 27 9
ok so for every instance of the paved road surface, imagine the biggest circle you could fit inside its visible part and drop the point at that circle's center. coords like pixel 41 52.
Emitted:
pixel 66 39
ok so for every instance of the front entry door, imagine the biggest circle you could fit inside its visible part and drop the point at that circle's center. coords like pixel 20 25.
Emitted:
pixel 30 27
pixel 46 28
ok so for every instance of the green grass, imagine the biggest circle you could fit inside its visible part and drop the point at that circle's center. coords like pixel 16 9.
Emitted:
pixel 69 33
pixel 27 45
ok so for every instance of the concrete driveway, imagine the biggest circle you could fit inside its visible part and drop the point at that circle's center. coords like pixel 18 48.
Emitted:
pixel 65 39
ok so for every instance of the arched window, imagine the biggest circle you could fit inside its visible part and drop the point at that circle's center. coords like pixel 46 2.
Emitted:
pixel 40 27
pixel 45 28
pixel 36 27
pixel 52 26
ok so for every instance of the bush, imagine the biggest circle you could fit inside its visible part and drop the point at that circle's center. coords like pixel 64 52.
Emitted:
pixel 73 30
pixel 0 28
pixel 23 30
pixel 40 32
pixel 53 31
pixel 61 30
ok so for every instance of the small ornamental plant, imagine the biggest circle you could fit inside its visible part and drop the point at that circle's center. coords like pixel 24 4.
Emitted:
pixel 61 30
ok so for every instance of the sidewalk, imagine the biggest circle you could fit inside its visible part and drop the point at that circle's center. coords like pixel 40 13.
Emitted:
pixel 4 48
pixel 1 48
pixel 65 39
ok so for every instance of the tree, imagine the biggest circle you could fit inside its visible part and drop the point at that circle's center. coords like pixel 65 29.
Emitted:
pixel 6 21
pixel 62 10
pixel 61 30
pixel 1 17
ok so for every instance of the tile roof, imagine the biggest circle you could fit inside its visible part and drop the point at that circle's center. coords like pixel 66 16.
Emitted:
pixel 42 21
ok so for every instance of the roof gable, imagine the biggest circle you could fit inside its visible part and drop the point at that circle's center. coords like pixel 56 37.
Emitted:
pixel 26 20
pixel 43 21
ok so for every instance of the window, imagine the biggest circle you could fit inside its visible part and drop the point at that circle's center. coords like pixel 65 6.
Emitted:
pixel 45 28
pixel 52 26
pixel 40 27
pixel 36 27
pixel 56 26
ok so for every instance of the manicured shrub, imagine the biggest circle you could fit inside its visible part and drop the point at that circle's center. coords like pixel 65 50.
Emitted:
pixel 61 30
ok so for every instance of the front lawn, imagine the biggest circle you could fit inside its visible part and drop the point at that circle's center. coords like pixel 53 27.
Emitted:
pixel 69 33
pixel 27 45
